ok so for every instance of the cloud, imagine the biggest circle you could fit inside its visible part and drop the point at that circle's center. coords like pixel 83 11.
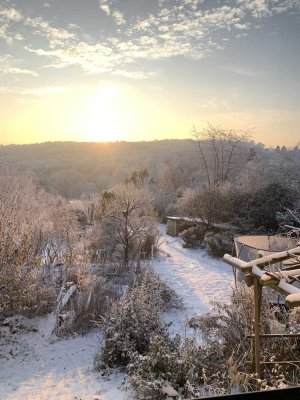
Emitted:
pixel 244 71
pixel 118 17
pixel 41 91
pixel 56 36
pixel 11 14
pixel 17 71
pixel 7 67
pixel 133 74
pixel 175 28
pixel 7 17
pixel 36 91
pixel 104 6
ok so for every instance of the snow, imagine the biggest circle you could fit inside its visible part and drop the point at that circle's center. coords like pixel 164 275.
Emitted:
pixel 196 277
pixel 36 365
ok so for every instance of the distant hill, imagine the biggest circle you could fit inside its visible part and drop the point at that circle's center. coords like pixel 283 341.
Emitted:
pixel 74 168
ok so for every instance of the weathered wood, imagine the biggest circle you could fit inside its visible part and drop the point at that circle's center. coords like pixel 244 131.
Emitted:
pixel 271 259
pixel 280 362
pixel 234 262
pixel 273 335
pixel 293 300
pixel 281 286
pixel 257 314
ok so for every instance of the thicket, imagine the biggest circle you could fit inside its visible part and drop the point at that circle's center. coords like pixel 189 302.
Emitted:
pixel 131 322
pixel 158 364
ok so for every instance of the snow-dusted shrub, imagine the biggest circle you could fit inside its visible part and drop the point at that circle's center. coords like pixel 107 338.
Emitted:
pixel 96 289
pixel 23 238
pixel 226 327
pixel 177 364
pixel 218 244
pixel 29 294
pixel 150 244
pixel 133 321
pixel 193 236
pixel 211 205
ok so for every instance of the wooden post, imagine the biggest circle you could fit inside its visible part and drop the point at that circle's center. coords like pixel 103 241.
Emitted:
pixel 257 312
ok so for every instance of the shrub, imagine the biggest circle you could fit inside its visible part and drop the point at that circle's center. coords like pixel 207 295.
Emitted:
pixel 228 325
pixel 193 236
pixel 132 321
pixel 95 291
pixel 28 294
pixel 222 361
pixel 218 244
pixel 181 365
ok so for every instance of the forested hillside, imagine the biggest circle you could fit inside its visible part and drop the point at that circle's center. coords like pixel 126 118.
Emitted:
pixel 72 169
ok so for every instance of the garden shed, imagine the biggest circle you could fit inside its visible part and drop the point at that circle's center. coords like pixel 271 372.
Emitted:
pixel 175 225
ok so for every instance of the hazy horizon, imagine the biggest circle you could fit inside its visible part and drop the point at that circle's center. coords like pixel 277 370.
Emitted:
pixel 109 70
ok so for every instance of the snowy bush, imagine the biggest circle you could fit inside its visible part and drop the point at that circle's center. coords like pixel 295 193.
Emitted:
pixel 193 236
pixel 223 360
pixel 177 364
pixel 97 288
pixel 23 220
pixel 218 244
pixel 131 322
pixel 225 328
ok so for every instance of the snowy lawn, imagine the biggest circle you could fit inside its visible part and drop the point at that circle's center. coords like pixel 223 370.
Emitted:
pixel 37 366
pixel 196 277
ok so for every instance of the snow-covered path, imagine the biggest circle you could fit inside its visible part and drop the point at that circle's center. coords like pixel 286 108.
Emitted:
pixel 195 276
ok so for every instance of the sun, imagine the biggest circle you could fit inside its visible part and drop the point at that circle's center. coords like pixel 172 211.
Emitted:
pixel 102 115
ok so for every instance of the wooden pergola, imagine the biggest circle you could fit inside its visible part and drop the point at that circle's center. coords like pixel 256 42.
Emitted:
pixel 259 273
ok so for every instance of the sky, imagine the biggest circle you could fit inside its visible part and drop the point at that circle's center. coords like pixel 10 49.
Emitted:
pixel 107 70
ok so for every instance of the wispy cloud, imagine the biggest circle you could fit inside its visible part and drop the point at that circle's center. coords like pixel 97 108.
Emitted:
pixel 244 71
pixel 35 91
pixel 7 67
pixel 17 71
pixel 176 28
pixel 104 6
pixel 133 74
pixel 41 91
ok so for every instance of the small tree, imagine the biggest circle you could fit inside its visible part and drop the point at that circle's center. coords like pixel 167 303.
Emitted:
pixel 128 219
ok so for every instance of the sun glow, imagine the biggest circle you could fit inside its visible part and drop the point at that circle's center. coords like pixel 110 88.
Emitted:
pixel 103 115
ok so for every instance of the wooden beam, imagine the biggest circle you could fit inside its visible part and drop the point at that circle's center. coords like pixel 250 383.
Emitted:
pixel 234 262
pixel 252 268
pixel 257 314
pixel 273 335
pixel 293 300
pixel 271 259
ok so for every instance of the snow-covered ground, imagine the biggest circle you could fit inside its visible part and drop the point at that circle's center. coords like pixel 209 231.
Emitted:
pixel 34 365
pixel 196 277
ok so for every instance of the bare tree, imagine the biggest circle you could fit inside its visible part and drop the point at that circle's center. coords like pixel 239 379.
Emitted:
pixel 128 219
pixel 217 149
